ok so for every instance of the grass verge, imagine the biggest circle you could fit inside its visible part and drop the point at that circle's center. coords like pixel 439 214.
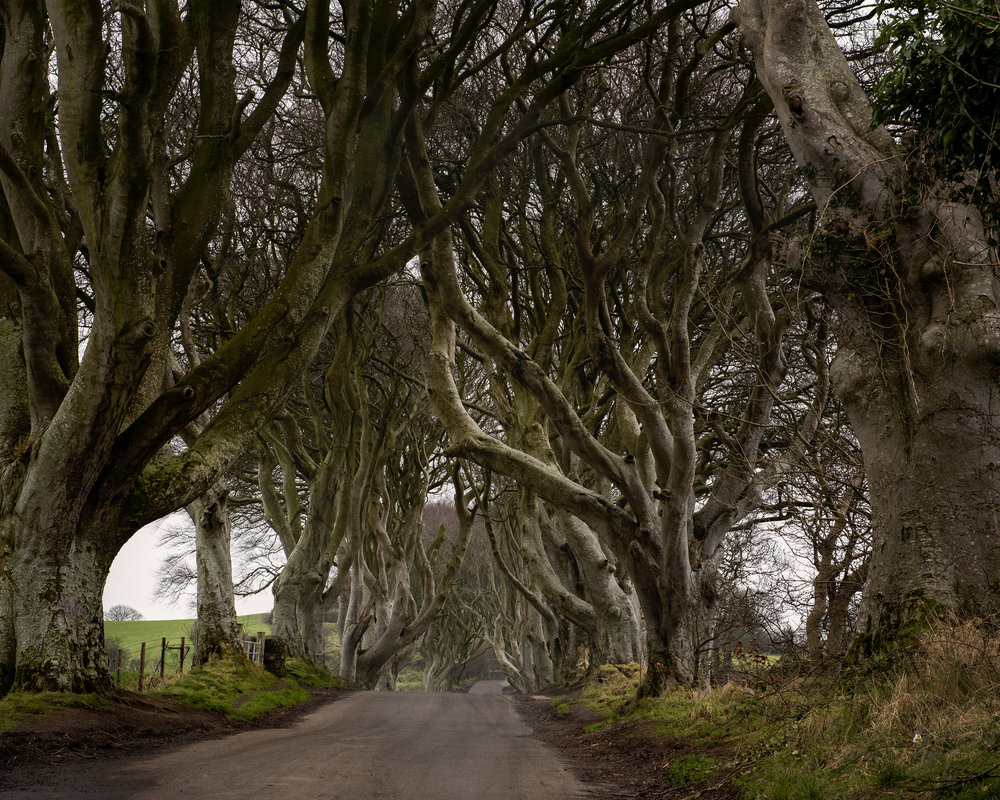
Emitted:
pixel 927 727
pixel 231 687
pixel 242 691
pixel 16 706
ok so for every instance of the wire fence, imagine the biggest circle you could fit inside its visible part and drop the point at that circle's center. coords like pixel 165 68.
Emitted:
pixel 151 663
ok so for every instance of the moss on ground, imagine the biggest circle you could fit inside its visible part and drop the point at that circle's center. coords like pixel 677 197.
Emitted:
pixel 16 706
pixel 926 725
pixel 242 691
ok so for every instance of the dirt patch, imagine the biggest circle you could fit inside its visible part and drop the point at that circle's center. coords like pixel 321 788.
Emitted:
pixel 623 760
pixel 129 723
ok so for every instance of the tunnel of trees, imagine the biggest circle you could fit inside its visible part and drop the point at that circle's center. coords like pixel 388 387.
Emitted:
pixel 571 332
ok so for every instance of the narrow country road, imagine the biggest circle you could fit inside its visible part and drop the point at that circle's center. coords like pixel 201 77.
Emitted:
pixel 369 746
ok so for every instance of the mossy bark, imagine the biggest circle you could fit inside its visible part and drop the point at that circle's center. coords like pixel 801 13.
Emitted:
pixel 51 615
pixel 935 496
pixel 915 283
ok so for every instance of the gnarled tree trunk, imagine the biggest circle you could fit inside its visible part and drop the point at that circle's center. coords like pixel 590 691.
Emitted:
pixel 51 614
pixel 914 282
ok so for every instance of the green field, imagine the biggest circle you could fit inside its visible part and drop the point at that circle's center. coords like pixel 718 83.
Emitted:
pixel 131 635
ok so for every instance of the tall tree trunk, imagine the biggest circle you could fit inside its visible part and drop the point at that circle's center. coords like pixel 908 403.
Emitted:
pixel 298 609
pixel 51 614
pixel 672 643
pixel 615 638
pixel 931 453
pixel 817 611
pixel 355 624
pixel 916 286
pixel 838 633
pixel 216 628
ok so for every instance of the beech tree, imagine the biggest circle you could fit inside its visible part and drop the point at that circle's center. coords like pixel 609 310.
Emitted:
pixel 908 265
pixel 104 190
pixel 101 200
pixel 603 292
pixel 116 164
pixel 642 289
pixel 344 475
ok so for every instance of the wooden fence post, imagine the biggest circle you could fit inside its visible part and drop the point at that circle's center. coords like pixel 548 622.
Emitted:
pixel 142 664
pixel 260 647
pixel 118 673
pixel 182 655
pixel 163 655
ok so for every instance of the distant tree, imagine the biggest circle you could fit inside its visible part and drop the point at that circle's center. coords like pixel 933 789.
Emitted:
pixel 121 613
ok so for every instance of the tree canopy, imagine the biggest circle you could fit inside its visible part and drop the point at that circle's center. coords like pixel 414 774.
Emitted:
pixel 615 276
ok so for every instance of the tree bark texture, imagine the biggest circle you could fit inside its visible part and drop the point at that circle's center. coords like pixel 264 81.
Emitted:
pixel 51 615
pixel 216 629
pixel 916 287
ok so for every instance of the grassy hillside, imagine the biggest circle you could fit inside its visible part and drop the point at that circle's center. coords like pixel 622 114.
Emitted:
pixel 131 635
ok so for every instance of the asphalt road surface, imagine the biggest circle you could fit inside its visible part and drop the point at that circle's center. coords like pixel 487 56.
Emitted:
pixel 369 746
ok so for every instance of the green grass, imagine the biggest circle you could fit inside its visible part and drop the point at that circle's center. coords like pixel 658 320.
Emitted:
pixel 701 718
pixel 308 674
pixel 692 768
pixel 560 705
pixel 410 679
pixel 233 687
pixel 16 706
pixel 242 691
pixel 131 635
pixel 152 631
pixel 928 727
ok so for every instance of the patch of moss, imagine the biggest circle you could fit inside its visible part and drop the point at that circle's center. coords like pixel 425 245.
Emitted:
pixel 260 703
pixel 17 706
pixel 902 626
pixel 692 768
pixel 243 691
pixel 309 674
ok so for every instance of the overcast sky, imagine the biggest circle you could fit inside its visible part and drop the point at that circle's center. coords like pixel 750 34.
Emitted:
pixel 132 581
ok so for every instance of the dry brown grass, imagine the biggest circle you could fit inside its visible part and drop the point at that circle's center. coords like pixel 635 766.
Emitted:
pixel 949 695
pixel 820 737
pixel 929 726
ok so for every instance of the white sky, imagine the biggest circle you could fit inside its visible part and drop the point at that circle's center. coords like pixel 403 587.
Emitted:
pixel 134 574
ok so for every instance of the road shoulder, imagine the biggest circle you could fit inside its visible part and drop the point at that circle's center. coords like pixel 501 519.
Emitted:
pixel 619 760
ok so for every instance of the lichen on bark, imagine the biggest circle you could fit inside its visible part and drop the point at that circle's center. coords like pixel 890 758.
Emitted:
pixel 910 271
